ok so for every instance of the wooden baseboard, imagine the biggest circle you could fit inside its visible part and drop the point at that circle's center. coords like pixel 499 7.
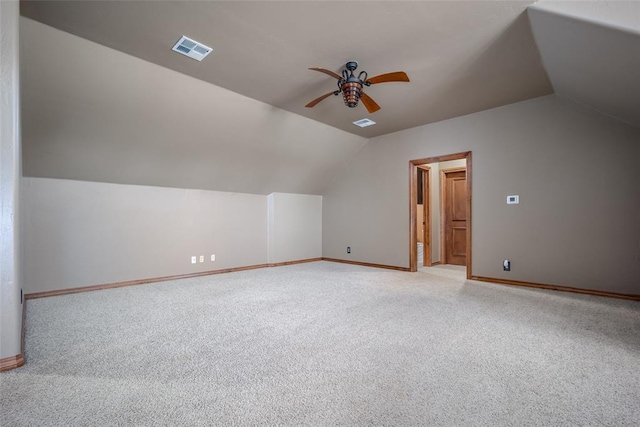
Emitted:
pixel 137 282
pixel 433 264
pixel 300 261
pixel 557 288
pixel 67 291
pixel 367 264
pixel 12 362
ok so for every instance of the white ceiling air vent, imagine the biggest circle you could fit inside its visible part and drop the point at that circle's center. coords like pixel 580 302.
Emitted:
pixel 192 48
pixel 363 123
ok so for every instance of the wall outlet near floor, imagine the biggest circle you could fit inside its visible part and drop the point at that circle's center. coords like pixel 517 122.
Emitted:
pixel 348 249
pixel 213 257
pixel 201 258
pixel 193 260
pixel 506 265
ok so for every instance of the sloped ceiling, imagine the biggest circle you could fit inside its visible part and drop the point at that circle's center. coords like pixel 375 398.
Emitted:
pixel 91 113
pixel 462 56
pixel 236 122
pixel 591 51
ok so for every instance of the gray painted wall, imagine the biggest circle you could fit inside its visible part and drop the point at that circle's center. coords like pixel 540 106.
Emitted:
pixel 574 169
pixel 295 227
pixel 10 171
pixel 87 233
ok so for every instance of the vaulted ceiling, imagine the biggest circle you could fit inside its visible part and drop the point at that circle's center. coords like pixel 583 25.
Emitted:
pixel 461 57
pixel 237 122
pixel 591 50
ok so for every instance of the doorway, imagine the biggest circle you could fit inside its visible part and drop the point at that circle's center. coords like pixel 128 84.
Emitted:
pixel 423 216
pixel 455 245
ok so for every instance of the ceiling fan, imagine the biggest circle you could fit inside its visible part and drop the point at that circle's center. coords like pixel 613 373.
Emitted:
pixel 351 86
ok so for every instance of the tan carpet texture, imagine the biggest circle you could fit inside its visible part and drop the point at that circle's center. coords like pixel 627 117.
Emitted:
pixel 325 344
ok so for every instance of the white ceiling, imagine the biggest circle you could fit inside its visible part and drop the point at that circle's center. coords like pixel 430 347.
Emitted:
pixel 461 56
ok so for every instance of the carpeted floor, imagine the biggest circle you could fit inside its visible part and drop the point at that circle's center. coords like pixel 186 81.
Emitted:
pixel 326 344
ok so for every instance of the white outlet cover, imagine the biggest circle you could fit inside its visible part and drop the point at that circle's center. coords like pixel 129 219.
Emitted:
pixel 513 200
pixel 201 258
pixel 213 257
pixel 193 260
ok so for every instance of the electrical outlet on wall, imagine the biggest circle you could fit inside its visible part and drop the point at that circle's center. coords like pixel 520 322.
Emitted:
pixel 201 258
pixel 348 249
pixel 213 257
pixel 193 260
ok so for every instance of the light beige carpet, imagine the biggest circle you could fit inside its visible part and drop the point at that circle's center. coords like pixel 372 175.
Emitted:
pixel 327 344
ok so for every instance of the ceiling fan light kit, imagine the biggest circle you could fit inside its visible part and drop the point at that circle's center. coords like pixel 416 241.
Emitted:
pixel 351 93
pixel 351 86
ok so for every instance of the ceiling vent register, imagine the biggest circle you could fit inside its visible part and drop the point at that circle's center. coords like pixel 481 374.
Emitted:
pixel 192 48
pixel 363 123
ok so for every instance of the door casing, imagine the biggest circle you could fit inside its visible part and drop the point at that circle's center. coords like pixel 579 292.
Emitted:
pixel 413 206
pixel 426 215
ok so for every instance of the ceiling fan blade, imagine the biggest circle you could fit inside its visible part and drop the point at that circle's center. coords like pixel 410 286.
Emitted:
pixel 396 76
pixel 369 103
pixel 315 101
pixel 329 72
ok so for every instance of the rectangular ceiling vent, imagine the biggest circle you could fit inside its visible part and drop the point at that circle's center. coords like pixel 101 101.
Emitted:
pixel 192 48
pixel 363 123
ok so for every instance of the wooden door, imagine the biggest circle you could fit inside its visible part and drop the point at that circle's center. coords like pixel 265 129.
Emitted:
pixel 454 203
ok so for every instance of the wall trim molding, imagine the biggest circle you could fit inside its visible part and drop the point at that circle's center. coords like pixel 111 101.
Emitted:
pixel 66 291
pixel 556 288
pixel 77 290
pixel 300 261
pixel 11 362
pixel 367 264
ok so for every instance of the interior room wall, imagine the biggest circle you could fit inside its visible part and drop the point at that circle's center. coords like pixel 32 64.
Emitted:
pixel 295 227
pixel 79 233
pixel 574 169
pixel 11 279
pixel 97 121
